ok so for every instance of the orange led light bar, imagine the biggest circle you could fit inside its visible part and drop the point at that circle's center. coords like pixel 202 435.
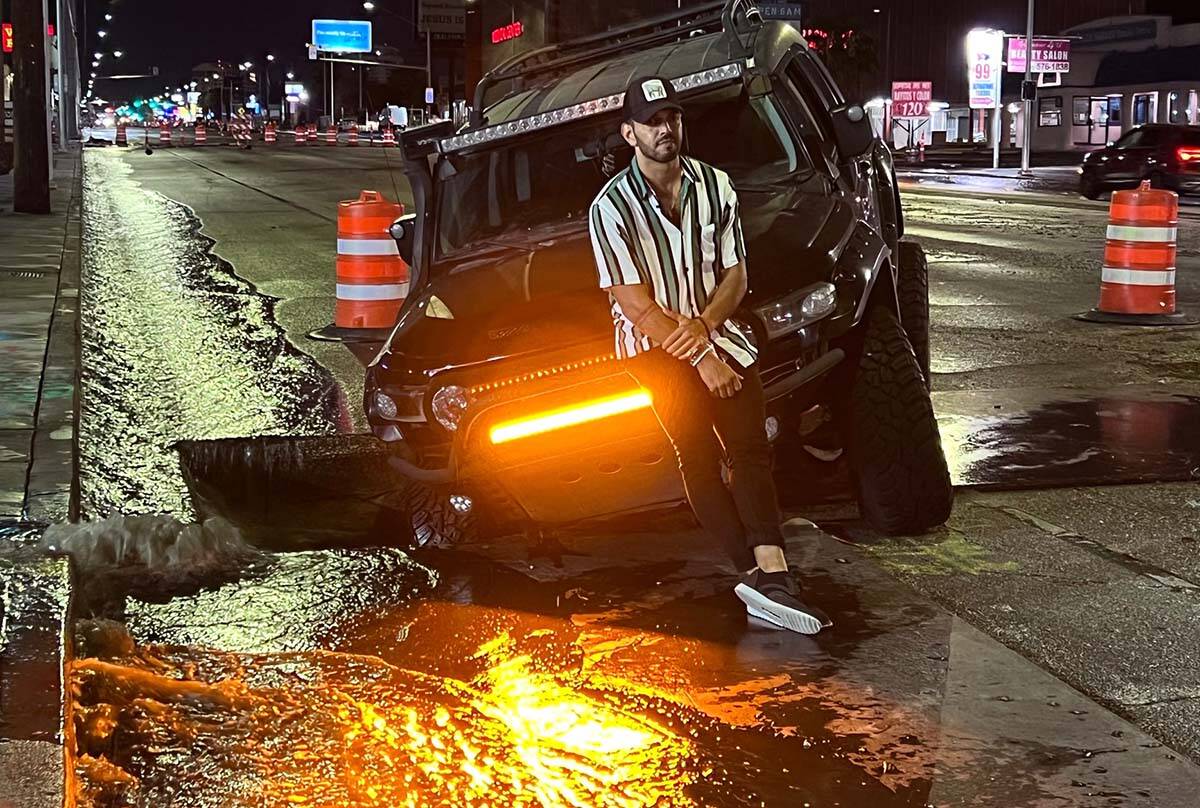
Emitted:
pixel 571 416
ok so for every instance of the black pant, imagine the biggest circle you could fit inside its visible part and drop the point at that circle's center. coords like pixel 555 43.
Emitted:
pixel 693 418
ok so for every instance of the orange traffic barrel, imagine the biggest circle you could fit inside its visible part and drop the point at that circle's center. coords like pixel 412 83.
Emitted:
pixel 372 278
pixel 1137 280
pixel 353 134
pixel 269 133
pixel 201 134
pixel 122 137
pixel 331 136
pixel 389 139
pixel 164 134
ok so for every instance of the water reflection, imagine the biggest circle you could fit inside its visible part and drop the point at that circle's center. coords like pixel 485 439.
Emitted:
pixel 540 713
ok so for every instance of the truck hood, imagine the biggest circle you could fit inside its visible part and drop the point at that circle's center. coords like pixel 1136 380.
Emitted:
pixel 504 299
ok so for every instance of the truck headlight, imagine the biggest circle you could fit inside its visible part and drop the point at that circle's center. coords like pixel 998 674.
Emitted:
pixel 384 406
pixel 449 404
pixel 798 309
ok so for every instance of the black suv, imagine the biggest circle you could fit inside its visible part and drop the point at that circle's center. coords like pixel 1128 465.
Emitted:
pixel 1166 154
pixel 498 387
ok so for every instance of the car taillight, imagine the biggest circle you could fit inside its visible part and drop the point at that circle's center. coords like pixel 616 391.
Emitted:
pixel 1188 154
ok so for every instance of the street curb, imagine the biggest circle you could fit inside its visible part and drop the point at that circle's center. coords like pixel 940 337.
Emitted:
pixel 52 491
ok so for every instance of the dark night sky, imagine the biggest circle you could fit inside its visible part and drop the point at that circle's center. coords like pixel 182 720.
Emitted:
pixel 177 34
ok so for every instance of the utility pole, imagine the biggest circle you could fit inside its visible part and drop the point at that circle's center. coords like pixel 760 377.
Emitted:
pixel 60 32
pixel 1027 102
pixel 31 110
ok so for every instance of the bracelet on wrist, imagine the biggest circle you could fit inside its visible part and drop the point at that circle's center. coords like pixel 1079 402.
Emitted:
pixel 698 358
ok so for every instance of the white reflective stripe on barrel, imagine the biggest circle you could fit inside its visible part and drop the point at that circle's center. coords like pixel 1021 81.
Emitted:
pixel 1138 277
pixel 1121 232
pixel 367 246
pixel 374 291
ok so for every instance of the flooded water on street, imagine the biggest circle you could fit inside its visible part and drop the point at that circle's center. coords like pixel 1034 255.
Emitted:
pixel 467 705
pixel 175 346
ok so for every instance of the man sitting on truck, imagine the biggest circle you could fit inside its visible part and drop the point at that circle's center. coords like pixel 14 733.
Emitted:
pixel 668 244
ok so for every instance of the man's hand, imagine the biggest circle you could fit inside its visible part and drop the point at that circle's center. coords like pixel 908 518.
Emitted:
pixel 721 379
pixel 690 336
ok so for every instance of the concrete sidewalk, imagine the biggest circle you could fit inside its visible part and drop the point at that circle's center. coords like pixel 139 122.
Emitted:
pixel 39 294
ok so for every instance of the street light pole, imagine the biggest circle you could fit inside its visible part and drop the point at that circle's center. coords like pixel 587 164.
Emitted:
pixel 1027 129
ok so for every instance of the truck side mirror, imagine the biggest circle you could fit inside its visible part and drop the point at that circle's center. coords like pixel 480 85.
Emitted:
pixel 403 230
pixel 852 131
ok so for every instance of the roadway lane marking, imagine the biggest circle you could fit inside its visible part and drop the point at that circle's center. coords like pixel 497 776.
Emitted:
pixel 236 181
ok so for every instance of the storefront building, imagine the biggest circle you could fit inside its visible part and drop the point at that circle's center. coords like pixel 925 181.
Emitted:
pixel 1125 71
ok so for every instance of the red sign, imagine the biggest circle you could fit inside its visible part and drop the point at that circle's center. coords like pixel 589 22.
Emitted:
pixel 49 29
pixel 507 32
pixel 1049 55
pixel 6 40
pixel 910 99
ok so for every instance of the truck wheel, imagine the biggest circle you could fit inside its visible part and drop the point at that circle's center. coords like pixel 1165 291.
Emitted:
pixel 435 522
pixel 895 449
pixel 913 291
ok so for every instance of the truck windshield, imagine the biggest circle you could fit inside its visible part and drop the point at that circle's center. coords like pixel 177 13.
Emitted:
pixel 546 183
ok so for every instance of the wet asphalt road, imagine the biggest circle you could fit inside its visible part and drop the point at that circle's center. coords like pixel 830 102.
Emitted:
pixel 910 701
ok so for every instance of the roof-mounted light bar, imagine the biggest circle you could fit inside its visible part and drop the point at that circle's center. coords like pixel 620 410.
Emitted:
pixel 584 109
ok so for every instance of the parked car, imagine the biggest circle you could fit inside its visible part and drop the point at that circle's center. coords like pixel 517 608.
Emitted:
pixel 1166 154
pixel 505 339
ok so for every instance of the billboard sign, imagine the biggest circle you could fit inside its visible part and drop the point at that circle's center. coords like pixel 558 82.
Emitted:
pixel 1049 55
pixel 341 36
pixel 910 99
pixel 293 91
pixel 6 37
pixel 447 17
pixel 985 49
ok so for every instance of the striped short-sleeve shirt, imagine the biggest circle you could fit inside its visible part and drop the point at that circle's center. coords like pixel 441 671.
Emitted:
pixel 636 243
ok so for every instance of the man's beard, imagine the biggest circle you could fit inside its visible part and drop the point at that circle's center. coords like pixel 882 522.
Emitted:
pixel 661 150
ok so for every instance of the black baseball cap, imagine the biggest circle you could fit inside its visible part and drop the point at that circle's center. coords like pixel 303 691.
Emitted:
pixel 645 96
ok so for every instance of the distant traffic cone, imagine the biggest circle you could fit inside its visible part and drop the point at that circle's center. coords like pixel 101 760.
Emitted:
pixel 331 136
pixel 122 136
pixel 920 151
pixel 269 133
pixel 389 139
pixel 164 134
pixel 353 135
pixel 201 135
pixel 1137 280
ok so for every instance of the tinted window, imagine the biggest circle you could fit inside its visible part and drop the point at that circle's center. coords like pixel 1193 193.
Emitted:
pixel 1134 139
pixel 546 184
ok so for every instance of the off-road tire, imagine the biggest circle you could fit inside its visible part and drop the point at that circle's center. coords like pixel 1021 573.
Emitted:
pixel 913 291
pixel 895 449
pixel 434 521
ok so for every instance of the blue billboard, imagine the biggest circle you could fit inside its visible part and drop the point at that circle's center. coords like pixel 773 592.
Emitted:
pixel 342 36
